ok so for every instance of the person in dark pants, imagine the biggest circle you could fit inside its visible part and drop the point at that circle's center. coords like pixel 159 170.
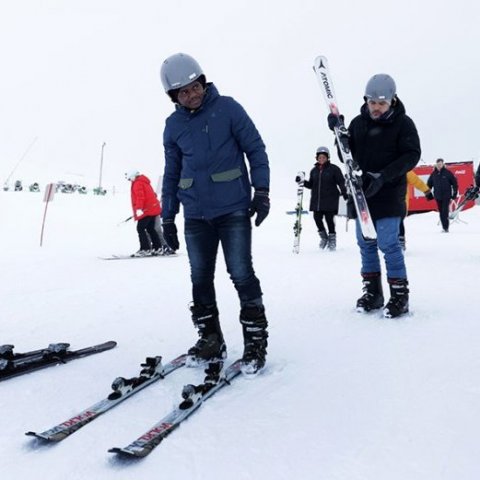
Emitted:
pixel 445 189
pixel 206 141
pixel 385 144
pixel 326 182
pixel 146 208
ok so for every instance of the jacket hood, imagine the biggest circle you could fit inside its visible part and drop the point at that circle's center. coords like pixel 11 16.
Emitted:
pixel 211 93
pixel 142 178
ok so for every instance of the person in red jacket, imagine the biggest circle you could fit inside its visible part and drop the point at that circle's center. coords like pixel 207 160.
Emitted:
pixel 146 208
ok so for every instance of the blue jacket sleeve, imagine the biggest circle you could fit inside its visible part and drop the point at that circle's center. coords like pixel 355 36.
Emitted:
pixel 171 176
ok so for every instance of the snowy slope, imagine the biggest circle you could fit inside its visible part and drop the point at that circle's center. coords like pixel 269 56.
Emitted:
pixel 345 396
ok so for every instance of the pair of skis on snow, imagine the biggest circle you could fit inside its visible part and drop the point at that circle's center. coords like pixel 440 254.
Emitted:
pixel 13 364
pixel 353 175
pixel 152 371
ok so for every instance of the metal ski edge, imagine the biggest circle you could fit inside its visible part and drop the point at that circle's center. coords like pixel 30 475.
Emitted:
pixel 68 427
pixel 144 445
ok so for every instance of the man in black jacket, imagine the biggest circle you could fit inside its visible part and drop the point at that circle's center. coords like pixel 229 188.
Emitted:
pixel 445 188
pixel 326 182
pixel 384 143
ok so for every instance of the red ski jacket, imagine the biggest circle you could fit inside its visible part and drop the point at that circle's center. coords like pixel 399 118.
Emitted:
pixel 144 198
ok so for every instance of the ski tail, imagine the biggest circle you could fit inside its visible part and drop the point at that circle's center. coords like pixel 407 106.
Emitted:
pixel 54 355
pixel 193 398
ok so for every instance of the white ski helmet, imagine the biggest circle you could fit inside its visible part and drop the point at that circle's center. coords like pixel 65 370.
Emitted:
pixel 179 70
pixel 381 87
pixel 131 175
pixel 323 150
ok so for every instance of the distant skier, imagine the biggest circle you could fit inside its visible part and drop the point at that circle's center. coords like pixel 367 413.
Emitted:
pixel 326 182
pixel 146 208
pixel 445 189
pixel 385 144
pixel 414 180
pixel 206 140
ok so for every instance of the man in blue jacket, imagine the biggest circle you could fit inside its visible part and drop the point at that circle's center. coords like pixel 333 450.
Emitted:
pixel 206 140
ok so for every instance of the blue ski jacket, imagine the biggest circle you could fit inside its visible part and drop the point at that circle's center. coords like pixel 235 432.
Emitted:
pixel 205 165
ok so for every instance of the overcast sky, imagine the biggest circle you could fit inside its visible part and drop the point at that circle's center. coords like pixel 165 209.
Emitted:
pixel 76 74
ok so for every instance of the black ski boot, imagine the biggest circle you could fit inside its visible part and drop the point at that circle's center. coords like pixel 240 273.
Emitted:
pixel 323 239
pixel 372 298
pixel 210 347
pixel 332 242
pixel 398 303
pixel 255 336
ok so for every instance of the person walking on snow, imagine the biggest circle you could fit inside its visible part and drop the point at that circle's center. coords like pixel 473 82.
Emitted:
pixel 146 208
pixel 414 180
pixel 445 189
pixel 326 182
pixel 206 140
pixel 384 143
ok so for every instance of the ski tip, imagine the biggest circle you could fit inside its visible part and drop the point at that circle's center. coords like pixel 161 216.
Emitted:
pixel 124 453
pixel 38 436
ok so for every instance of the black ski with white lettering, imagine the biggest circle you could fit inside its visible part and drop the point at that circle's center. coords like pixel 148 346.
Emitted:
pixel 193 397
pixel 353 174
pixel 54 354
pixel 122 388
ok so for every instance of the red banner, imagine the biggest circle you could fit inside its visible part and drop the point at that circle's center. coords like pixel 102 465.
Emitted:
pixel 464 174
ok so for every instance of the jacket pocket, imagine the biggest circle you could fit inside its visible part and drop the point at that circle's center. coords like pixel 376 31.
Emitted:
pixel 185 183
pixel 226 176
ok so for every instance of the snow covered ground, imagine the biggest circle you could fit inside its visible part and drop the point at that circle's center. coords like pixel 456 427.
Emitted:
pixel 345 396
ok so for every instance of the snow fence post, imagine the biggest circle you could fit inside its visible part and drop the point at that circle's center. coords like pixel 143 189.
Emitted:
pixel 48 197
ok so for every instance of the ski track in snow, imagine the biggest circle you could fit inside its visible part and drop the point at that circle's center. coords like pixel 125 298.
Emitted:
pixel 345 396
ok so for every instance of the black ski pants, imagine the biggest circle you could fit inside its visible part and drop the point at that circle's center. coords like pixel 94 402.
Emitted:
pixel 147 234
pixel 329 219
pixel 443 209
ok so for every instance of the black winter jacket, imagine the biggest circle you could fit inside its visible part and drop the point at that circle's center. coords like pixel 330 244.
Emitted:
pixel 444 184
pixel 326 184
pixel 389 146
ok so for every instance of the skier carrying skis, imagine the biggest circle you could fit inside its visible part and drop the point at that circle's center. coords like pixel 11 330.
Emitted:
pixel 206 140
pixel 445 189
pixel 146 208
pixel 384 143
pixel 326 183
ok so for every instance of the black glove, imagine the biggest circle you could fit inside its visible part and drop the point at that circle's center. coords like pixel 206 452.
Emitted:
pixel 335 120
pixel 298 178
pixel 260 205
pixel 345 196
pixel 170 233
pixel 429 195
pixel 376 183
pixel 454 196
